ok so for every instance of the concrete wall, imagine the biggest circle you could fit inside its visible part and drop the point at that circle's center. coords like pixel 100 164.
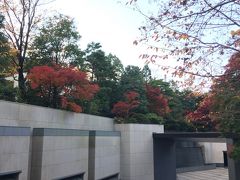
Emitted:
pixel 104 154
pixel 14 151
pixel 137 150
pixel 16 114
pixel 213 152
pixel 59 153
pixel 57 143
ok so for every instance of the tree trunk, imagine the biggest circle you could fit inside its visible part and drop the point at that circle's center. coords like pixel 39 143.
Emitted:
pixel 21 80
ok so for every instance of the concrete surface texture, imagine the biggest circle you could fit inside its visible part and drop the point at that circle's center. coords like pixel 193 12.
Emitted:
pixel 137 150
pixel 14 154
pixel 214 174
pixel 107 157
pixel 24 115
pixel 44 143
pixel 59 156
pixel 14 151
pixel 213 152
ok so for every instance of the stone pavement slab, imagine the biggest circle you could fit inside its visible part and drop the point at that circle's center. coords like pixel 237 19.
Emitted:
pixel 213 174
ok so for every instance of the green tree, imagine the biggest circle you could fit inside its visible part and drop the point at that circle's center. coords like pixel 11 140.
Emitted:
pixel 106 71
pixel 95 61
pixel 174 100
pixel 4 50
pixel 102 67
pixel 57 42
pixel 180 104
pixel 147 74
pixel 116 69
pixel 7 91
pixel 133 80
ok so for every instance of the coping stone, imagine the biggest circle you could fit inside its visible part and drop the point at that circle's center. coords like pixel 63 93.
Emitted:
pixel 14 131
pixel 104 133
pixel 59 132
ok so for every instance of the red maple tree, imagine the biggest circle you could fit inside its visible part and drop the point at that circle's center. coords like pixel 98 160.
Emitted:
pixel 201 117
pixel 124 108
pixel 157 102
pixel 61 86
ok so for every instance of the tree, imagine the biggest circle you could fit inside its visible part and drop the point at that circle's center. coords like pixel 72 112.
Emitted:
pixel 95 60
pixel 180 104
pixel 116 69
pixel 147 74
pixel 132 80
pixel 157 103
pixel 4 51
pixel 57 42
pixel 226 100
pixel 60 87
pixel 226 93
pixel 124 108
pixel 21 19
pixel 201 117
pixel 174 99
pixel 105 70
pixel 189 31
pixel 7 91
pixel 101 66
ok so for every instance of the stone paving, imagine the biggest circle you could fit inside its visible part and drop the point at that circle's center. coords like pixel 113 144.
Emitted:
pixel 214 174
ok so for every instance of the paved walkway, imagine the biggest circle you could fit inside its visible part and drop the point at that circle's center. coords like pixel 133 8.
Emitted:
pixel 214 174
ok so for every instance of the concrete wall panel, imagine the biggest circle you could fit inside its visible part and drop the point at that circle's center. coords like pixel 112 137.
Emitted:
pixel 17 114
pixel 137 150
pixel 59 156
pixel 213 152
pixel 14 150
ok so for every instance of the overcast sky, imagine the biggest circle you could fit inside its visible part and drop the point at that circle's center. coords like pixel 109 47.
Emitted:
pixel 115 25
pixel 109 22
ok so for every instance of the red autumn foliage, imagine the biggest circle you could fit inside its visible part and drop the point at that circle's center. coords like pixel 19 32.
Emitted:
pixel 123 109
pixel 233 65
pixel 60 86
pixel 230 78
pixel 157 103
pixel 201 117
pixel 202 111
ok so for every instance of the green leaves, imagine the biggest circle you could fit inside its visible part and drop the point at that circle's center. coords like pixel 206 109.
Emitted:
pixel 57 42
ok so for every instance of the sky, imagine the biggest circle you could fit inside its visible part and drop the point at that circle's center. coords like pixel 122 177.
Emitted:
pixel 113 24
pixel 109 22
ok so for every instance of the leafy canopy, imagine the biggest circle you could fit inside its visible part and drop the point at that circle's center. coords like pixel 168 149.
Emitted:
pixel 61 86
pixel 57 42
pixel 124 108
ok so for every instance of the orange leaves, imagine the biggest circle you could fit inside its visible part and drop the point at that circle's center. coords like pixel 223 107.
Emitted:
pixel 202 116
pixel 176 35
pixel 65 83
pixel 235 33
pixel 70 105
pixel 183 36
